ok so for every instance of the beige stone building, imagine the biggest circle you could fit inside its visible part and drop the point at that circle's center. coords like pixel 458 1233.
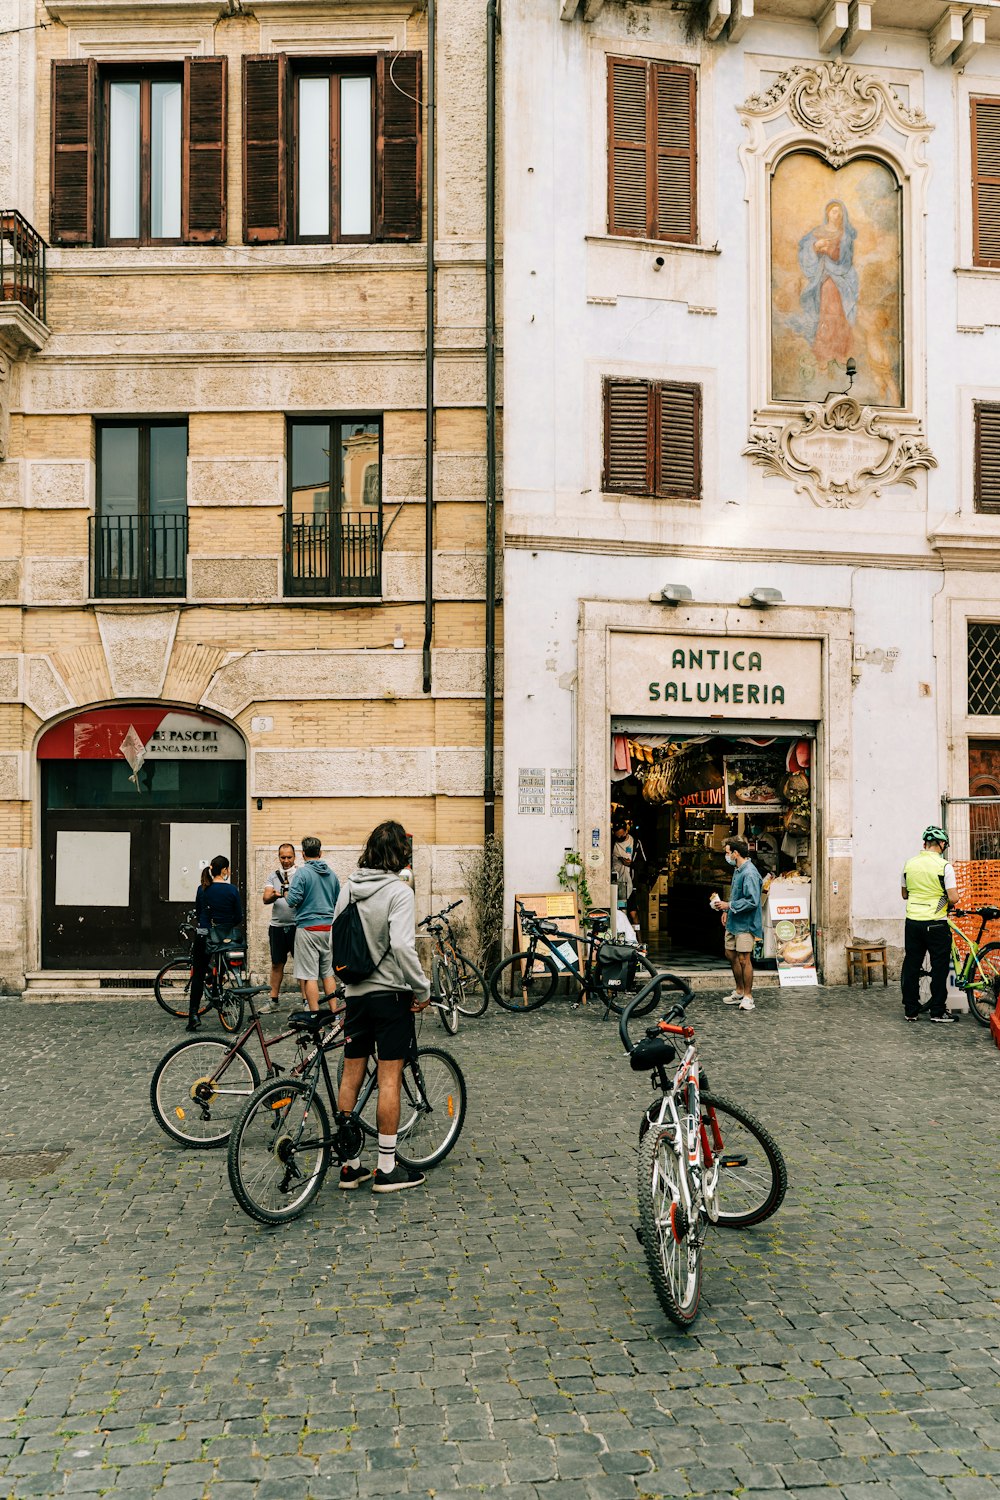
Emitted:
pixel 213 476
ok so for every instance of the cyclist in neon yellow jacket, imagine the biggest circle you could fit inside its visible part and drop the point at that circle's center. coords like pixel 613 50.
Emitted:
pixel 930 891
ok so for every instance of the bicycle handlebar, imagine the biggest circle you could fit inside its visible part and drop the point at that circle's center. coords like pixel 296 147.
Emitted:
pixel 439 915
pixel 667 981
pixel 989 913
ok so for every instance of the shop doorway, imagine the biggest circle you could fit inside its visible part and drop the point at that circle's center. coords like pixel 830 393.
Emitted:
pixel 134 802
pixel 683 792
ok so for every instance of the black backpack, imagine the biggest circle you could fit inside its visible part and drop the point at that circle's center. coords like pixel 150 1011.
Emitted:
pixel 352 959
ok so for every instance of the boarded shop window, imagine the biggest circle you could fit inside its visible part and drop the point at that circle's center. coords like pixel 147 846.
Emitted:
pixel 986 490
pixel 138 153
pixel 652 150
pixel 652 438
pixel 140 526
pixel 984 668
pixel 331 148
pixel 986 181
pixel 333 521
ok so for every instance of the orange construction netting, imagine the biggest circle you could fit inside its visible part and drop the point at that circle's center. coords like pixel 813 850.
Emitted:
pixel 978 885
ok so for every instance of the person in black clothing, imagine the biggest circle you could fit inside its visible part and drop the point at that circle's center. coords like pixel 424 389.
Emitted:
pixel 217 904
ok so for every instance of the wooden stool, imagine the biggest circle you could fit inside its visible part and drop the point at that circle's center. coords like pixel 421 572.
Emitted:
pixel 864 960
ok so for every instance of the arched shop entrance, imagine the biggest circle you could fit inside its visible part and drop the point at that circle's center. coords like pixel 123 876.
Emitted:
pixel 135 800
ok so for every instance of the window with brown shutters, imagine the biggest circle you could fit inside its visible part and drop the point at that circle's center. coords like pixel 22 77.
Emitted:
pixel 652 438
pixel 986 181
pixel 332 148
pixel 986 490
pixel 138 153
pixel 652 150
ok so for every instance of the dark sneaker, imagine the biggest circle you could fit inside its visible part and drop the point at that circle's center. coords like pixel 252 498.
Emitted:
pixel 400 1177
pixel 352 1177
pixel 947 1019
pixel 194 1024
pixel 914 1017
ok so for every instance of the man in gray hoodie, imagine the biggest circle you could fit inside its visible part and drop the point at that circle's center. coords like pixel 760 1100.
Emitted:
pixel 380 1008
pixel 312 896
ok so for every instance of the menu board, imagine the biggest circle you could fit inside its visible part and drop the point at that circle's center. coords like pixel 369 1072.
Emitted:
pixel 788 903
pixel 753 782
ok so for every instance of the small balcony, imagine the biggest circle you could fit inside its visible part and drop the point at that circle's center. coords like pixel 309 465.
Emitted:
pixel 333 556
pixel 22 282
pixel 138 557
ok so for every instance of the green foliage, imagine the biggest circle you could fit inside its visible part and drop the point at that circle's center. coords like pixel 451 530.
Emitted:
pixel 572 877
pixel 483 872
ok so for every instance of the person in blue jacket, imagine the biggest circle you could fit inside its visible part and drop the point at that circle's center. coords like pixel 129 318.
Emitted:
pixel 217 904
pixel 744 924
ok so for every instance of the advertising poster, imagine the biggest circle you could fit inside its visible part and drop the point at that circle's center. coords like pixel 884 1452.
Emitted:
pixel 753 782
pixel 788 914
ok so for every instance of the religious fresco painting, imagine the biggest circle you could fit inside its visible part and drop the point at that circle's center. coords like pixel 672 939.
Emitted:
pixel 836 280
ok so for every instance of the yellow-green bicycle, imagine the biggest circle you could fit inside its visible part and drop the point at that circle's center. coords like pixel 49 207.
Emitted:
pixel 978 973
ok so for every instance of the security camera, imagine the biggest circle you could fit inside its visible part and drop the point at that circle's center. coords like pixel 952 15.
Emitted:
pixel 658 263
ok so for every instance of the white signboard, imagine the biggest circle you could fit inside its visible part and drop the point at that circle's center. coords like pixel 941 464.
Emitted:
pixel 531 791
pixel 699 676
pixel 92 869
pixel 192 847
pixel 562 793
pixel 788 913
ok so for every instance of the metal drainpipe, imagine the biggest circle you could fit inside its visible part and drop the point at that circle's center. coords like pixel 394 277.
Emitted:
pixel 489 675
pixel 429 399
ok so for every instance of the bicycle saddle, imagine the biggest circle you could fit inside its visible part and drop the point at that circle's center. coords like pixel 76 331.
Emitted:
pixel 304 1019
pixel 651 1052
pixel 599 923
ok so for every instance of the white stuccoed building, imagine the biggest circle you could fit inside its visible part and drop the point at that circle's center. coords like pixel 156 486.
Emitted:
pixel 752 310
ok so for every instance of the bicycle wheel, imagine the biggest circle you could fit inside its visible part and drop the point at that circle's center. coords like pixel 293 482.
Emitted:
pixel 752 1178
pixel 432 1108
pixel 366 1116
pixel 172 987
pixel 199 1088
pixel 444 989
pixel 231 1004
pixel 279 1151
pixel 644 972
pixel 984 983
pixel 670 1241
pixel 473 996
pixel 524 981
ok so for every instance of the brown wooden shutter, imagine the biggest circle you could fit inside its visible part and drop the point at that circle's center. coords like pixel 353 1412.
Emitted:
pixel 629 204
pixel 265 149
pixel 673 92
pixel 72 181
pixel 627 437
pixel 398 145
pixel 986 182
pixel 203 194
pixel 987 476
pixel 678 441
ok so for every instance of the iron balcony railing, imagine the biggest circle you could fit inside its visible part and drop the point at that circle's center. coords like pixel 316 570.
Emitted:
pixel 138 557
pixel 333 555
pixel 22 263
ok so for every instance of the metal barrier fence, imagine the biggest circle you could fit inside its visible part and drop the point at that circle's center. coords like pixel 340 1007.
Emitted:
pixel 973 827
pixel 22 262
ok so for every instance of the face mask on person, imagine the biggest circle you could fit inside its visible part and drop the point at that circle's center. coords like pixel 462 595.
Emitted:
pixel 730 859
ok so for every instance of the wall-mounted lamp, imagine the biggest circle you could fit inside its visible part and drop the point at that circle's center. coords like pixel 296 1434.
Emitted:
pixel 674 593
pixel 762 598
pixel 260 804
pixel 852 369
pixel 397 638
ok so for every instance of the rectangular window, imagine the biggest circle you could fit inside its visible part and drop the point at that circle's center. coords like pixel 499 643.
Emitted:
pixel 984 668
pixel 138 153
pixel 652 439
pixel 140 529
pixel 652 150
pixel 333 524
pixel 331 148
pixel 985 181
pixel 986 490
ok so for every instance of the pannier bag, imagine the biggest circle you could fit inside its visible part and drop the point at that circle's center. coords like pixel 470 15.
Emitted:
pixel 616 965
pixel 227 940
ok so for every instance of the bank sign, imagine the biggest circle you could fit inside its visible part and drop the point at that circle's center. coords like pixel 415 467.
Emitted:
pixel 715 677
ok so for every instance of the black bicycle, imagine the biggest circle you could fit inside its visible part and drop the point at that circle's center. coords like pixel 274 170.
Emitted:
pixel 611 972
pixel 281 1145
pixel 225 975
pixel 457 986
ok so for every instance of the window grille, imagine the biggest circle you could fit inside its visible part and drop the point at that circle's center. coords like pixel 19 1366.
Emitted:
pixel 984 669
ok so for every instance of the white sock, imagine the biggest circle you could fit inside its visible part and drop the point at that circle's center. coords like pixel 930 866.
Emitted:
pixel 386 1152
pixel 354 1163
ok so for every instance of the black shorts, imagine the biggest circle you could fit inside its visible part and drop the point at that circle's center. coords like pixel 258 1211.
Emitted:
pixel 380 1022
pixel 282 943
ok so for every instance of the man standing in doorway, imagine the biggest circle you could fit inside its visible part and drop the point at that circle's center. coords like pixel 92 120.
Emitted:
pixel 743 921
pixel 622 867
pixel 930 889
pixel 281 931
pixel 312 895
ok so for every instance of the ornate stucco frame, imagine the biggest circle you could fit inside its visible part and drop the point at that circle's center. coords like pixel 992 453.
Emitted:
pixel 840 113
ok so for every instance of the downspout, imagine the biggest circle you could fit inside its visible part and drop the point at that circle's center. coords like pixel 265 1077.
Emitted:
pixel 489 674
pixel 429 396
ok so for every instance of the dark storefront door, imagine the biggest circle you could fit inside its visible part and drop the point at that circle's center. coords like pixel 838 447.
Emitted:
pixel 121 856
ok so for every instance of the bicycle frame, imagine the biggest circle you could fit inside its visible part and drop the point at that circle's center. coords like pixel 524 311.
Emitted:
pixel 584 977
pixel 256 1029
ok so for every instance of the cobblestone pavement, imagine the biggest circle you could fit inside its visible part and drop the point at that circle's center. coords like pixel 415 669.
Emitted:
pixel 497 1330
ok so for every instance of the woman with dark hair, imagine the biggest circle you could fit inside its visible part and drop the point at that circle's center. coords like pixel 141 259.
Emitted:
pixel 380 1008
pixel 217 904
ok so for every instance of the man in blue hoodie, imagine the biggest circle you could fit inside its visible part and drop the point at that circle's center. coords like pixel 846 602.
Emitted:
pixel 312 896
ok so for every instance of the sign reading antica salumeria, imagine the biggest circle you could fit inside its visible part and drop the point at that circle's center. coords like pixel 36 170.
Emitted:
pixel 722 676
